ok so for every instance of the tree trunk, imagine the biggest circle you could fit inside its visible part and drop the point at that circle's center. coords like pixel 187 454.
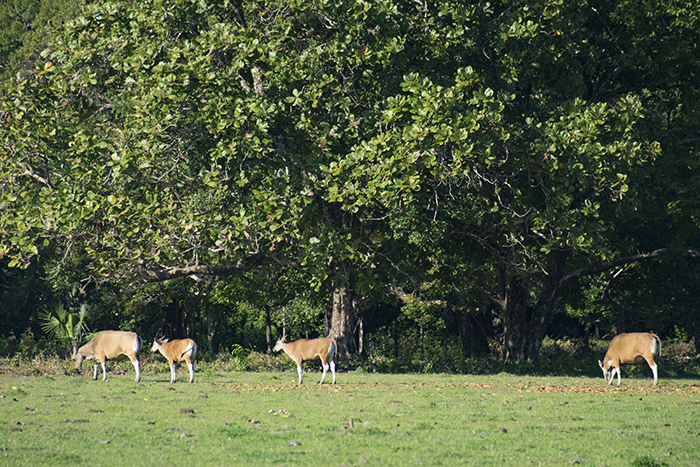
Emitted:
pixel 620 322
pixel 361 336
pixel 551 288
pixel 342 324
pixel 395 335
pixel 174 321
pixel 524 326
pixel 473 334
pixel 422 342
pixel 514 311
pixel 268 330
pixel 212 320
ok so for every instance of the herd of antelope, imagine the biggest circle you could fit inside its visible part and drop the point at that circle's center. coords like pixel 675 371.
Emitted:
pixel 625 349
pixel 120 345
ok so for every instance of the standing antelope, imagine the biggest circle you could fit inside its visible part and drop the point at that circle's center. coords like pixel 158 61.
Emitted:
pixel 309 349
pixel 110 345
pixel 178 350
pixel 630 349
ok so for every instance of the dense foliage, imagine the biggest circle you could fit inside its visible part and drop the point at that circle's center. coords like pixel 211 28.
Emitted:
pixel 473 170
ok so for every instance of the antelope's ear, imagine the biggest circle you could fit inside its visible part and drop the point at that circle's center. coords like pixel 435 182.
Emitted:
pixel 600 364
pixel 610 363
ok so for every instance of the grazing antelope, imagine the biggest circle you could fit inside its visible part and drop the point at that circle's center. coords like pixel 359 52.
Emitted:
pixel 178 350
pixel 310 349
pixel 110 345
pixel 630 349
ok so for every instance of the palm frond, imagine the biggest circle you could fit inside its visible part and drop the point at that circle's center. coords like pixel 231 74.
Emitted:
pixel 61 324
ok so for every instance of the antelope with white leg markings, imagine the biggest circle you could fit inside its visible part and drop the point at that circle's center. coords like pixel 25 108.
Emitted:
pixel 310 349
pixel 176 351
pixel 630 349
pixel 110 345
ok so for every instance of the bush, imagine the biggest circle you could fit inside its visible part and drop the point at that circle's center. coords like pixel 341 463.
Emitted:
pixel 378 364
pixel 258 361
pixel 570 357
pixel 39 365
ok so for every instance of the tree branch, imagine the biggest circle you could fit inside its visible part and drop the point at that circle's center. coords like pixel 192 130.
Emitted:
pixel 241 266
pixel 587 271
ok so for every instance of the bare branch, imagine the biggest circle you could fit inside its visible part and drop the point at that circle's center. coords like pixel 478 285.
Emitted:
pixel 241 266
pixel 604 266
pixel 31 173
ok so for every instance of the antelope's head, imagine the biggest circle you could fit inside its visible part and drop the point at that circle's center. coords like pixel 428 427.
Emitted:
pixel 607 370
pixel 77 358
pixel 280 343
pixel 157 343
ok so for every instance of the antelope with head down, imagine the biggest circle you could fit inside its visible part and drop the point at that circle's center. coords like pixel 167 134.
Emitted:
pixel 176 351
pixel 110 345
pixel 630 349
pixel 309 349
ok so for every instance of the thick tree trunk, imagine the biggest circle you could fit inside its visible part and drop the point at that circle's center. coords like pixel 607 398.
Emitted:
pixel 551 288
pixel 174 321
pixel 620 322
pixel 342 324
pixel 514 321
pixel 473 333
pixel 523 325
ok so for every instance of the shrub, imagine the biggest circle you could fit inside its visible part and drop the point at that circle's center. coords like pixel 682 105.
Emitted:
pixel 258 361
pixel 39 365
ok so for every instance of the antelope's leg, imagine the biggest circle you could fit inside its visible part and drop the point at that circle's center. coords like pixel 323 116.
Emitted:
pixel 137 367
pixel 325 370
pixel 654 370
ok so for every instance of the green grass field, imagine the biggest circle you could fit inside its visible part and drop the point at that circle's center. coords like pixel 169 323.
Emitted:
pixel 241 418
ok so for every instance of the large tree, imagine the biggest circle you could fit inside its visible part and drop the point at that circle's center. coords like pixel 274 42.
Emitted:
pixel 196 139
pixel 360 144
pixel 537 145
pixel 520 148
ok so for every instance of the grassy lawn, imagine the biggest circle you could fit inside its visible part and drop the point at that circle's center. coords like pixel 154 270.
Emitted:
pixel 241 418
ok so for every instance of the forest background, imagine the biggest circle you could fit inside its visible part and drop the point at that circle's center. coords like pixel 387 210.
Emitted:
pixel 439 186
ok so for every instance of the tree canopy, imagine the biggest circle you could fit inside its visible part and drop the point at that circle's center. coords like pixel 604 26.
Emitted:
pixel 503 149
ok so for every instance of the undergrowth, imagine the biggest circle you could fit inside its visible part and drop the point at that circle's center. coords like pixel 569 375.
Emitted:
pixel 561 357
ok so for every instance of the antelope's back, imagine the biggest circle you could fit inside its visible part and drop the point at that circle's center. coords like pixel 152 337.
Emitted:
pixel 115 343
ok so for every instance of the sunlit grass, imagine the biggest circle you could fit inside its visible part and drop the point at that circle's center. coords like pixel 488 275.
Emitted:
pixel 242 418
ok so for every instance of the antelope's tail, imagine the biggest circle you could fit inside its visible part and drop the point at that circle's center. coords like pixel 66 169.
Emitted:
pixel 657 345
pixel 191 349
pixel 331 350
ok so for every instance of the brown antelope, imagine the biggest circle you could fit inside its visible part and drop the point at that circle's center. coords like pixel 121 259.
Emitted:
pixel 310 349
pixel 178 350
pixel 110 345
pixel 630 349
